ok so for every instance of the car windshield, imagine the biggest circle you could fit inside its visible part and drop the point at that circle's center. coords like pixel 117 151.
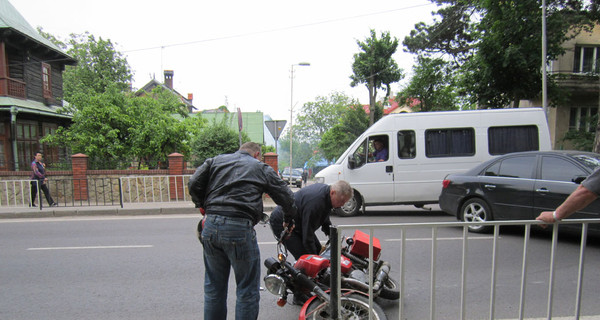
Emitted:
pixel 295 172
pixel 587 160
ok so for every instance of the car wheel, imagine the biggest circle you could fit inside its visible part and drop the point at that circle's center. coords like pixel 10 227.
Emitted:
pixel 476 210
pixel 350 208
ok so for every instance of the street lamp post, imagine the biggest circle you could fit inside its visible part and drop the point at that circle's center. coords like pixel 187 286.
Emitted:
pixel 305 64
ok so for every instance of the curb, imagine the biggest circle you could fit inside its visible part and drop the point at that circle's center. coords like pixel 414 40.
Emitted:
pixel 139 210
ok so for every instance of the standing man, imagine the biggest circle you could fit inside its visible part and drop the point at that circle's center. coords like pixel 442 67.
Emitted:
pixel 314 204
pixel 38 174
pixel 585 194
pixel 228 189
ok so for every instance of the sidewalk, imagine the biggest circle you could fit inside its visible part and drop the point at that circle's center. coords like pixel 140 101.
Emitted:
pixel 129 209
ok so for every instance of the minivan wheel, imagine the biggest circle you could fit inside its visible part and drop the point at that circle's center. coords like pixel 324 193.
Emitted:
pixel 476 210
pixel 350 208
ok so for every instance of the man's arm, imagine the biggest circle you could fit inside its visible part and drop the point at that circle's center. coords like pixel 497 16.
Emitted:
pixel 579 199
pixel 198 183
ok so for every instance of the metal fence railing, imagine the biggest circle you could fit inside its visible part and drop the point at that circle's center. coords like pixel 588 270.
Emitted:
pixel 144 189
pixel 65 192
pixel 461 297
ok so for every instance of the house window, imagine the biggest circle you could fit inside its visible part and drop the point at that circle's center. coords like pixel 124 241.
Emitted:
pixel 583 118
pixel 586 59
pixel 27 141
pixel 46 80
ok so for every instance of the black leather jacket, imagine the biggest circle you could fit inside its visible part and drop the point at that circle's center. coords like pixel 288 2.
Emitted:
pixel 233 185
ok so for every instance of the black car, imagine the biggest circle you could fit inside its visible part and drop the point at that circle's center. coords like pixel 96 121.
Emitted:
pixel 518 186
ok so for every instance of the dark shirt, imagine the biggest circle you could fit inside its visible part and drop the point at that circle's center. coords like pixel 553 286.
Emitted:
pixel 38 171
pixel 313 205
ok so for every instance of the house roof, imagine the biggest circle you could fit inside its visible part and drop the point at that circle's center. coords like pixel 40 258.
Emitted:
pixel 30 106
pixel 11 19
pixel 153 84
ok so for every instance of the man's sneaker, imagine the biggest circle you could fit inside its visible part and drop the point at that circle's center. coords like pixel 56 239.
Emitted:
pixel 54 204
pixel 33 205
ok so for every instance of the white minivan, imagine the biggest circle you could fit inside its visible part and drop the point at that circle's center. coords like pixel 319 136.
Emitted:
pixel 423 147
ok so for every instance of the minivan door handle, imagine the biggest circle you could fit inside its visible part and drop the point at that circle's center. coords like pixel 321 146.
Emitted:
pixel 542 190
pixel 490 186
pixel 389 169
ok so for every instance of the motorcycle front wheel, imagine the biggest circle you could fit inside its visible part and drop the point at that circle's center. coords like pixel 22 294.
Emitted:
pixel 353 306
pixel 390 290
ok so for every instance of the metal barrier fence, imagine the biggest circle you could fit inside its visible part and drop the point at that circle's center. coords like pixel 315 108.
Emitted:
pixel 144 189
pixel 403 228
pixel 65 192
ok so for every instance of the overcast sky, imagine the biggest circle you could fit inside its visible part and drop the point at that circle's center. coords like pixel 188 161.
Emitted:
pixel 237 52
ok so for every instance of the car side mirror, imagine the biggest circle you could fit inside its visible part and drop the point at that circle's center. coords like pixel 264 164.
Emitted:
pixel 578 179
pixel 351 162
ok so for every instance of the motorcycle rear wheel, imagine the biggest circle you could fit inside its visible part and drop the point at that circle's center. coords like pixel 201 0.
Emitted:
pixel 354 306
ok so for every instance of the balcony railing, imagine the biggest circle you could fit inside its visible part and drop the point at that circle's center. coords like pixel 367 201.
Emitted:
pixel 12 88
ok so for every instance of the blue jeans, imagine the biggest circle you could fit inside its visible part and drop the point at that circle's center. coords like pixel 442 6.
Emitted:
pixel 230 243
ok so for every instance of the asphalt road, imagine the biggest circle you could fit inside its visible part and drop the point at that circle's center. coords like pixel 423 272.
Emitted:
pixel 150 267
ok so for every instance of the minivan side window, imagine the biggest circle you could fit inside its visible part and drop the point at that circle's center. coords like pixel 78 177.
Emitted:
pixel 407 148
pixel 502 140
pixel 455 142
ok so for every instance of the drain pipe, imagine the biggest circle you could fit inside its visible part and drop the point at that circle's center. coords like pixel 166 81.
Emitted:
pixel 13 132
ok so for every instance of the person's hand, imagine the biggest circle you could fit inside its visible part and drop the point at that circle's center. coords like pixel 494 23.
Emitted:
pixel 289 226
pixel 546 216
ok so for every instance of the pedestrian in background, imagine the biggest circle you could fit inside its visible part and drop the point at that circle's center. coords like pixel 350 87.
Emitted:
pixel 38 174
pixel 228 189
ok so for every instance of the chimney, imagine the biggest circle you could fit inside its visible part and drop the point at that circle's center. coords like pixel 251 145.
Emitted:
pixel 169 79
pixel 190 97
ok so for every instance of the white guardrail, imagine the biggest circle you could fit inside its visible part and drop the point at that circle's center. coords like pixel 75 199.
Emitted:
pixel 336 232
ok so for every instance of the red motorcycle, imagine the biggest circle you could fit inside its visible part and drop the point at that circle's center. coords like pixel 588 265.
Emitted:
pixel 299 279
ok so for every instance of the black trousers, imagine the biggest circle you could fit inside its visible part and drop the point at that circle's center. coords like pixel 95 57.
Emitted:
pixel 294 243
pixel 42 186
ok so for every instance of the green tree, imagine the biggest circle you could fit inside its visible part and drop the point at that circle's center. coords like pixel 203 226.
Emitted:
pixel 99 67
pixel 375 67
pixel 433 83
pixel 337 139
pixel 215 139
pixel 316 117
pixel 497 44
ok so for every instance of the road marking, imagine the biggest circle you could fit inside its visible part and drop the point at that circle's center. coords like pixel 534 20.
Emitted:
pixel 91 247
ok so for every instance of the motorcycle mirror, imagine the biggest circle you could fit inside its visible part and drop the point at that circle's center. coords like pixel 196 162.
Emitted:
pixel 264 219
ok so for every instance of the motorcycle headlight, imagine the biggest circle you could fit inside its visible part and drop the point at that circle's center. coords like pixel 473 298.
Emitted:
pixel 275 284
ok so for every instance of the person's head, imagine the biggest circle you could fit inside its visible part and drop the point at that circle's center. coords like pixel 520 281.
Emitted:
pixel 340 192
pixel 378 144
pixel 38 156
pixel 252 148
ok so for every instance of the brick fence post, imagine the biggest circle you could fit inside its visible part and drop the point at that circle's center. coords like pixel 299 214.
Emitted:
pixel 270 158
pixel 79 163
pixel 176 184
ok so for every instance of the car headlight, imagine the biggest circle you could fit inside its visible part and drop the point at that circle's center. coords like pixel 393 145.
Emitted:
pixel 320 179
pixel 275 284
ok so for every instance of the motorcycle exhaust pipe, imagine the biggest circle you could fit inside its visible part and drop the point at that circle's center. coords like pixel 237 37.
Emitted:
pixel 381 276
